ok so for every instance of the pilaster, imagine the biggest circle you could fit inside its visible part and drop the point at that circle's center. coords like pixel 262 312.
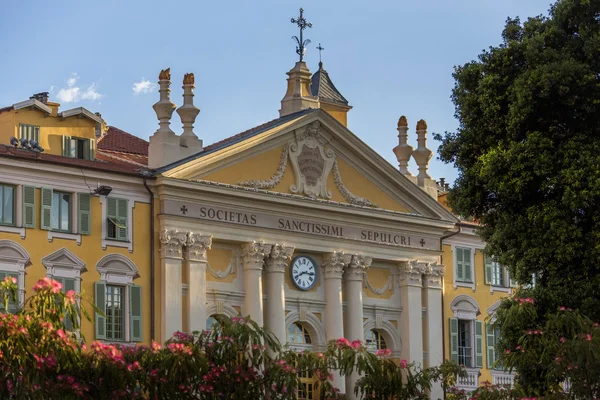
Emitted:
pixel 253 256
pixel 171 248
pixel 411 318
pixel 195 254
pixel 276 264
pixel 433 321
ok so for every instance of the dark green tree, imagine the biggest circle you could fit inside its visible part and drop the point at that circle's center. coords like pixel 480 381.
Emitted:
pixel 528 154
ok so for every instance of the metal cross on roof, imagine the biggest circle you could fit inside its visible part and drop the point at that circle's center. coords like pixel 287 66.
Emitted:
pixel 302 24
pixel 320 48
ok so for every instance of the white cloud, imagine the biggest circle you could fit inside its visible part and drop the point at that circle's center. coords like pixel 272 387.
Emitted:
pixel 143 87
pixel 74 92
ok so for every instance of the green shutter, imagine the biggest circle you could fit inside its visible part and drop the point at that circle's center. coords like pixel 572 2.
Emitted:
pixel 28 206
pixel 100 289
pixel 84 213
pixel 92 153
pixel 491 345
pixel 478 344
pixel 454 339
pixel 122 215
pixel 488 270
pixel 66 149
pixel 467 265
pixel 459 264
pixel 46 221
pixel 68 284
pixel 135 307
pixel 502 271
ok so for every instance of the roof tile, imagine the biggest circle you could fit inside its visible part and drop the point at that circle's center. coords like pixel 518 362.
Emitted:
pixel 118 140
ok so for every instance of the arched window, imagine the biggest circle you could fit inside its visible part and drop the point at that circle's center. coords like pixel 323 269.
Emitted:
pixel 374 340
pixel 213 322
pixel 298 334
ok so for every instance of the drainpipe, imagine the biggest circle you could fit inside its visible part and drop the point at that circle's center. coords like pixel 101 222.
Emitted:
pixel 443 317
pixel 152 306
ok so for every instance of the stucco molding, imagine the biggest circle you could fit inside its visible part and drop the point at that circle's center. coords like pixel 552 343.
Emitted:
pixel 391 334
pixel 273 180
pixel 13 252
pixel 63 259
pixel 345 192
pixel 116 268
pixel 334 264
pixel 355 270
pixel 279 259
pixel 172 242
pixel 196 246
pixel 389 285
pixel 411 272
pixel 311 322
pixel 434 276
pixel 465 307
pixel 254 253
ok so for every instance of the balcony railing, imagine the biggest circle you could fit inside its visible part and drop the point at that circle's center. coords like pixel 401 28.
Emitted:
pixel 469 382
pixel 503 378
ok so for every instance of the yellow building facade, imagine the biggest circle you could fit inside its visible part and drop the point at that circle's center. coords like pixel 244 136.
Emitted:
pixel 69 215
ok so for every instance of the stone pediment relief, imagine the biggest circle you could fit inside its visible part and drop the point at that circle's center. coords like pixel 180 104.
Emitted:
pixel 63 258
pixel 312 160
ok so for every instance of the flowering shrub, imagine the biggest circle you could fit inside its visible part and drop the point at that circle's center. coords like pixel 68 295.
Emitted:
pixel 40 358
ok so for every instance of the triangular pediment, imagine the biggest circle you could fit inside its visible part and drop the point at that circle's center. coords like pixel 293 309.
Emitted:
pixel 63 258
pixel 313 156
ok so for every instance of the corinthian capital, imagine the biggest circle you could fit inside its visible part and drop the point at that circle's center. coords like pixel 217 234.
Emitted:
pixel 254 253
pixel 434 276
pixel 411 273
pixel 279 258
pixel 197 245
pixel 171 243
pixel 334 264
pixel 355 271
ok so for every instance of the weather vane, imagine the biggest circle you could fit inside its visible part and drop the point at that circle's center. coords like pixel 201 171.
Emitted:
pixel 320 48
pixel 302 24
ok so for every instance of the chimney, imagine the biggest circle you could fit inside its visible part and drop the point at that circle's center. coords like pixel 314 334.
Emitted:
pixel 164 144
pixel 403 151
pixel 422 155
pixel 298 96
pixel 188 113
pixel 42 97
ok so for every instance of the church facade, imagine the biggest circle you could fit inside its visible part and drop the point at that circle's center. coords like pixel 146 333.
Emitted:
pixel 300 225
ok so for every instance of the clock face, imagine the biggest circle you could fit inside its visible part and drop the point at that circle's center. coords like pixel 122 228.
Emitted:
pixel 303 272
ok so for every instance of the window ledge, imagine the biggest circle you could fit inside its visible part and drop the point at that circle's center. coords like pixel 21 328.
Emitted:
pixel 119 343
pixel 464 284
pixel 13 229
pixel 63 235
pixel 117 243
pixel 504 289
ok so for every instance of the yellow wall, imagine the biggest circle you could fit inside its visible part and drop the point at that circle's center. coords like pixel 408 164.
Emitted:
pixel 219 260
pixel 265 165
pixel 90 252
pixel 481 295
pixel 378 278
pixel 340 114
pixel 51 128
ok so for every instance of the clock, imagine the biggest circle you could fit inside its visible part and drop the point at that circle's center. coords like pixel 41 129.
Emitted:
pixel 303 271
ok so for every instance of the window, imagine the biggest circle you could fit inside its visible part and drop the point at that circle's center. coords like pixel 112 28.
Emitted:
pixel 116 211
pixel 61 212
pixel 7 205
pixel 213 323
pixel 463 264
pixel 119 301
pixel 12 306
pixel 115 324
pixel 374 340
pixel 465 354
pixel 297 334
pixel 29 132
pixel 306 386
pixel 495 274
pixel 78 148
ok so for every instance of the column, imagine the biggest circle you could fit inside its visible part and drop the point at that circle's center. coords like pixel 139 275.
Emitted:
pixel 411 317
pixel 274 275
pixel 433 322
pixel 353 317
pixel 195 256
pixel 334 264
pixel 171 245
pixel 253 257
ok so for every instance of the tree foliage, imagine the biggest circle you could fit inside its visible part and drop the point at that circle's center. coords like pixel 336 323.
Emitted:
pixel 528 154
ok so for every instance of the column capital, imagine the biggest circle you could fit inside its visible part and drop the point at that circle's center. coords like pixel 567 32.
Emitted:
pixel 254 253
pixel 411 272
pixel 355 271
pixel 171 243
pixel 334 264
pixel 196 246
pixel 280 257
pixel 434 275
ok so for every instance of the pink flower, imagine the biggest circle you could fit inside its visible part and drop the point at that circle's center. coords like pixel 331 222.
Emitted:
pixel 562 308
pixel 356 344
pixel 383 352
pixel 403 363
pixel 70 297
pixel 562 340
pixel 588 337
pixel 507 351
pixel 342 342
pixel 13 279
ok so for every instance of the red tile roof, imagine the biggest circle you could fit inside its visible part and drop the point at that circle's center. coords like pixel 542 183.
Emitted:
pixel 120 141
pixel 98 164
pixel 118 157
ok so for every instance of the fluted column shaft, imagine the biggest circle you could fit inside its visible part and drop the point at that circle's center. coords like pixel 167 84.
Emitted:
pixel 195 255
pixel 353 318
pixel 275 266
pixel 411 318
pixel 253 256
pixel 172 242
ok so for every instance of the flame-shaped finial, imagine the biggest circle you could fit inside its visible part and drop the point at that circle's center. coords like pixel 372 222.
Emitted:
pixel 165 75
pixel 402 121
pixel 188 79
pixel 421 125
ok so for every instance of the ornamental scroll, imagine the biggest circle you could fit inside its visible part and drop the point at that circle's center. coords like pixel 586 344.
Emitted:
pixel 312 162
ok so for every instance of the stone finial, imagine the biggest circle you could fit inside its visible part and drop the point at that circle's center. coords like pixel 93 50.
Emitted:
pixel 422 154
pixel 298 96
pixel 164 107
pixel 403 151
pixel 188 113
pixel 165 75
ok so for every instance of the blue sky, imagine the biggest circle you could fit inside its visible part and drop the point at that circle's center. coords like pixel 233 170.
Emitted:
pixel 387 58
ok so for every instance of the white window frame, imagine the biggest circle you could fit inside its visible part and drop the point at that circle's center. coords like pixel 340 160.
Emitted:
pixel 18 227
pixel 61 269
pixel 15 264
pixel 117 243
pixel 112 275
pixel 471 324
pixel 74 234
pixel 458 283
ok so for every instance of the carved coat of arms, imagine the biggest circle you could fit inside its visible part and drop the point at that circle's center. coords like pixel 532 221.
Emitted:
pixel 312 162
